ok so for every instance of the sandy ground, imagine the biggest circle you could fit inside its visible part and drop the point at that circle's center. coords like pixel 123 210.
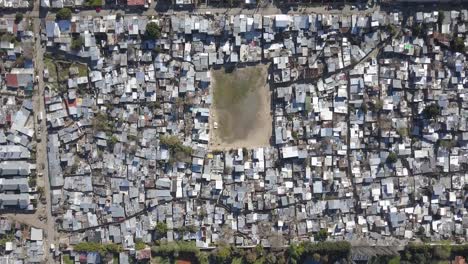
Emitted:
pixel 247 122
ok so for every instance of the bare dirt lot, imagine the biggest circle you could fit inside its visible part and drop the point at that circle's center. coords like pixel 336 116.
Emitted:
pixel 240 109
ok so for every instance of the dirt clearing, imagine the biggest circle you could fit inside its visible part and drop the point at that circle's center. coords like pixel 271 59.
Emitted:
pixel 241 109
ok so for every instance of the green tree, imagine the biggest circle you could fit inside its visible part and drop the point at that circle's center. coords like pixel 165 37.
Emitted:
pixel 77 43
pixel 442 252
pixel 139 245
pixel 440 18
pixel 113 140
pixel 321 235
pixel 152 30
pixel 251 257
pixel 392 157
pixel 316 257
pixel 270 258
pixel 394 260
pixel 222 254
pixel 64 14
pixel 32 181
pixel 458 44
pixel 118 16
pixel 377 105
pixel 418 30
pixel 431 111
pixel 18 18
pixel 161 228
pixel 295 252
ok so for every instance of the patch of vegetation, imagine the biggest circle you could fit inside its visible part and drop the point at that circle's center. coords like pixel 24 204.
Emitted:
pixel 18 18
pixel 32 181
pixel 152 31
pixel 102 249
pixel 6 238
pixel 112 141
pixel 425 253
pixel 321 235
pixel 188 229
pixel 431 111
pixel 448 144
pixel 179 249
pixel 392 29
pixel 222 254
pixel 51 68
pixel 418 30
pixel 8 37
pixel 392 157
pixel 294 135
pixel 118 16
pixel 82 69
pixel 175 145
pixel 67 260
pixel 101 122
pixel 161 228
pixel 440 18
pixel 442 252
pixel 458 44
pixel 377 106
pixel 331 251
pixel 403 131
pixel 140 245
pixel 77 43
pixel 64 14
pixel 93 3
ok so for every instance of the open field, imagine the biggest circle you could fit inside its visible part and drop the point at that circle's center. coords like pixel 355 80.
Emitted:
pixel 241 108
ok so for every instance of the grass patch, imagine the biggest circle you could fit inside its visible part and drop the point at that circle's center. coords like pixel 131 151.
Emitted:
pixel 51 68
pixel 93 3
pixel 82 69
pixel 67 260
pixel 52 81
pixel 63 71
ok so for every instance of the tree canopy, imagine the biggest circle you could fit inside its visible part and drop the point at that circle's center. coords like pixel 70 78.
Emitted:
pixel 64 14
pixel 18 18
pixel 392 157
pixel 152 30
pixel 458 44
pixel 431 111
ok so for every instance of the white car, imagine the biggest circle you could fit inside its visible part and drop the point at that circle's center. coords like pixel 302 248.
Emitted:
pixel 215 125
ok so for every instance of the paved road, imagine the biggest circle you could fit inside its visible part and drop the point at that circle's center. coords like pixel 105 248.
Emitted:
pixel 152 11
